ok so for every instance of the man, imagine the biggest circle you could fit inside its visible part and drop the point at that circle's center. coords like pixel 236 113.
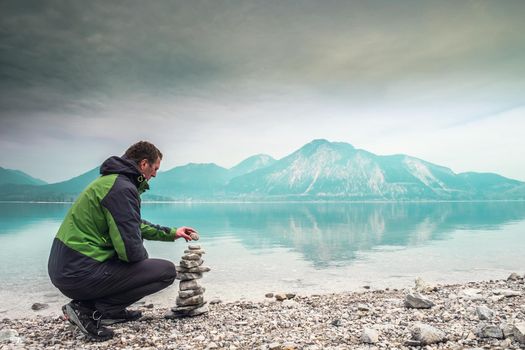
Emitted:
pixel 98 258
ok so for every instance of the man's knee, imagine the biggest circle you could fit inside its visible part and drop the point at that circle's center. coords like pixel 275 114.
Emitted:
pixel 169 271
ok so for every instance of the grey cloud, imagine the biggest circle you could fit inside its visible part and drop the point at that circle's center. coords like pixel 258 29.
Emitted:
pixel 90 49
pixel 65 55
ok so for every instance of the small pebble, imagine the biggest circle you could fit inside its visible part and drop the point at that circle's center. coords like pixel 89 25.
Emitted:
pixel 313 322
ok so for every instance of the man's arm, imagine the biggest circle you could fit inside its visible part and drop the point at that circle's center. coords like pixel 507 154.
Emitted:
pixel 154 232
pixel 162 233
pixel 122 211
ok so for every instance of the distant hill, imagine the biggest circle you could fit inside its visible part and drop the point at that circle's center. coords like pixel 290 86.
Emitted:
pixel 201 181
pixel 17 177
pixel 189 181
pixel 76 184
pixel 320 170
pixel 60 191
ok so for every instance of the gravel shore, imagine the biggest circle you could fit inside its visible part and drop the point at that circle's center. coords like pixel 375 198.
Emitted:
pixel 475 315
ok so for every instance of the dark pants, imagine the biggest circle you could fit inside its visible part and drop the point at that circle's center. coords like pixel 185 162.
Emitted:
pixel 116 284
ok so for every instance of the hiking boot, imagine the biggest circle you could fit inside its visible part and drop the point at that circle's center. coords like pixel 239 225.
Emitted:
pixel 120 316
pixel 87 320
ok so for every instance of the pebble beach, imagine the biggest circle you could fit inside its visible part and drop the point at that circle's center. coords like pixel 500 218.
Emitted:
pixel 474 315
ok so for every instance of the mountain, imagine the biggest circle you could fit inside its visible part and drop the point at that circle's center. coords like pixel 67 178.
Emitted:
pixel 320 170
pixel 76 184
pixel 60 191
pixel 336 170
pixel 250 164
pixel 201 180
pixel 17 177
pixel 488 185
pixel 189 181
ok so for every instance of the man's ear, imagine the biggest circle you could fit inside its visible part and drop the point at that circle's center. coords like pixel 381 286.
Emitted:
pixel 143 163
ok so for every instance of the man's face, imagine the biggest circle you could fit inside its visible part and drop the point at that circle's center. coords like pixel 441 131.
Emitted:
pixel 149 170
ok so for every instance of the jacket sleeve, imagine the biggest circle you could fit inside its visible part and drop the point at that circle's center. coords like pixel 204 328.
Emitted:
pixel 154 232
pixel 122 210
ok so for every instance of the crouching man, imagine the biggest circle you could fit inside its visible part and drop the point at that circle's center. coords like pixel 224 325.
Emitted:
pixel 98 258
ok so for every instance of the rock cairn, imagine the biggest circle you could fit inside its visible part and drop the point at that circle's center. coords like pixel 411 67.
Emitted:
pixel 190 301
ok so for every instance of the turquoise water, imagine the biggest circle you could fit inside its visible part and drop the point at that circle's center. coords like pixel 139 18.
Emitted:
pixel 307 248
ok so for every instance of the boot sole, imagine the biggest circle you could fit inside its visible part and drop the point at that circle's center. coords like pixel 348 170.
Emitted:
pixel 66 316
pixel 72 317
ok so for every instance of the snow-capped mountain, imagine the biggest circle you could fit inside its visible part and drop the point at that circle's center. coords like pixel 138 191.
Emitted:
pixel 336 170
pixel 250 164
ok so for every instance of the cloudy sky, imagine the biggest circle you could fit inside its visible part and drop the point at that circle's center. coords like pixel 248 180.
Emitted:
pixel 221 80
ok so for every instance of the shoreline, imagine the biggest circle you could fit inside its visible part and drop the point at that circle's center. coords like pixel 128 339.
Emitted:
pixel 18 306
pixel 317 201
pixel 317 321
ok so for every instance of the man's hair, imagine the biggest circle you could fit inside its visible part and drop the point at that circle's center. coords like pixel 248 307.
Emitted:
pixel 143 150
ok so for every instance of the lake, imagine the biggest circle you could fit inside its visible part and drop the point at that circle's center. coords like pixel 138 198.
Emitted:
pixel 307 248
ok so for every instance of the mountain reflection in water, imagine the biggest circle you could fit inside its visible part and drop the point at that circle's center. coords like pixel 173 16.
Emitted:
pixel 328 233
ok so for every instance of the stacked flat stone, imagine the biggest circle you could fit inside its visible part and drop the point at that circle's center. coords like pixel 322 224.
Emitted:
pixel 190 301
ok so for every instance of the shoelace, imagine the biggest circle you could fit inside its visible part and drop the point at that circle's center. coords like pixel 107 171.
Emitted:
pixel 98 319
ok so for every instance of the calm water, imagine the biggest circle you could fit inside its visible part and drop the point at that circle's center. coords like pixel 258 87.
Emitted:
pixel 303 247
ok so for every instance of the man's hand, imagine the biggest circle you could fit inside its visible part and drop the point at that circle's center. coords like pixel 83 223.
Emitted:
pixel 184 232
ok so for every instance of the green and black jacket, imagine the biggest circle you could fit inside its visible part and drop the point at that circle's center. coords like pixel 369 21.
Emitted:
pixel 105 223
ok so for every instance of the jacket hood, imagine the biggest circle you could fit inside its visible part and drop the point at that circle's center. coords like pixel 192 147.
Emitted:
pixel 118 165
pixel 122 165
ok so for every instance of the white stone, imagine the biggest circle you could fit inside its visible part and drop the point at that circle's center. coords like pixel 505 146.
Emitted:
pixel 417 301
pixel 471 294
pixel 186 285
pixel 363 307
pixel 195 300
pixel 191 292
pixel 420 285
pixel 191 257
pixel 507 292
pixel 186 276
pixel 426 334
pixel 189 251
pixel 191 263
pixel 289 346
pixel 489 331
pixel 211 345
pixel 280 296
pixel 290 303
pixel 519 332
pixel 183 309
pixel 508 329
pixel 194 236
pixel 199 311
pixel 484 313
pixel 369 336
pixel 9 335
